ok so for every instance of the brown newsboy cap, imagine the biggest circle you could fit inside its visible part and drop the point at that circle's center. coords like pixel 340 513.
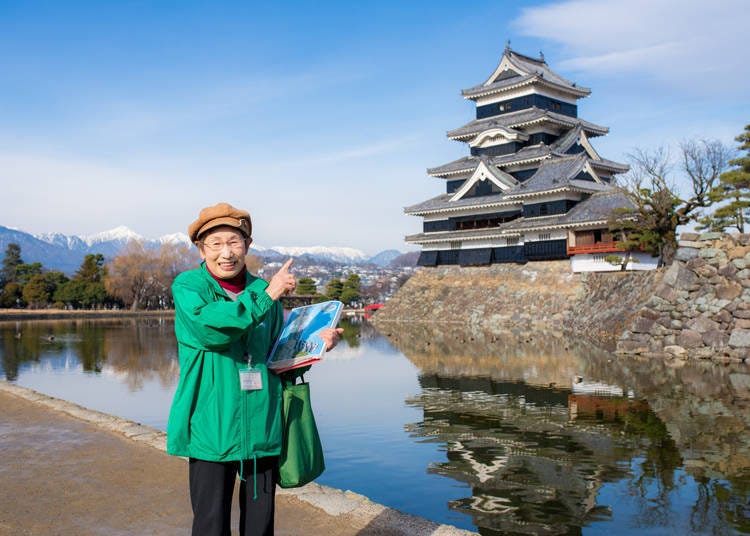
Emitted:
pixel 218 215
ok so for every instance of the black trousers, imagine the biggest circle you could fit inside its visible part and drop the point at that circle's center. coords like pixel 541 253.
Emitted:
pixel 211 489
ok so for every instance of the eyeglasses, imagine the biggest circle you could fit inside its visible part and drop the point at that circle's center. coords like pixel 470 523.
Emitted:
pixel 215 245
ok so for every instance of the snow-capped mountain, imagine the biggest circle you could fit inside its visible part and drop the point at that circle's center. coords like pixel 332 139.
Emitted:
pixel 57 251
pixel 340 255
pixel 64 241
pixel 175 238
pixel 119 234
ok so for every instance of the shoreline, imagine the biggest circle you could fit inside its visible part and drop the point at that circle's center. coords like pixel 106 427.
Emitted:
pixel 11 315
pixel 57 314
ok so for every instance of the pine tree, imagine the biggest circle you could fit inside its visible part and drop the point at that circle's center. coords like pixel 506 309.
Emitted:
pixel 306 285
pixel 350 291
pixel 86 289
pixel 732 194
pixel 11 261
pixel 334 288
pixel 37 292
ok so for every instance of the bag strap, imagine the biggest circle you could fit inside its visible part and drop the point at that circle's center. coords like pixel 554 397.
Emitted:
pixel 288 380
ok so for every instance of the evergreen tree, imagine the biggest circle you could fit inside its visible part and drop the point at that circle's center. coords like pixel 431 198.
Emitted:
pixel 92 269
pixel 14 276
pixel 350 289
pixel 24 272
pixel 55 280
pixel 732 194
pixel 306 285
pixel 334 288
pixel 86 289
pixel 12 295
pixel 37 292
pixel 11 261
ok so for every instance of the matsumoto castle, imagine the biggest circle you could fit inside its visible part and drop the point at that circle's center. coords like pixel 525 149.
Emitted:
pixel 533 187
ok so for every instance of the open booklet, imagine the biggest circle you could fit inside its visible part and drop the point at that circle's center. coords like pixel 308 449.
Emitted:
pixel 299 344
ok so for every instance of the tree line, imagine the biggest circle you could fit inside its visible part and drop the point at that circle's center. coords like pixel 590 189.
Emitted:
pixel 347 291
pixel 137 278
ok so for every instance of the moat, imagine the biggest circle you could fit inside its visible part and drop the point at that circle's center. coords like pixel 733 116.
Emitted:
pixel 503 433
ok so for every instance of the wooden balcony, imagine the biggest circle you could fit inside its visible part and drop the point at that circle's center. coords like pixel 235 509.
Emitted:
pixel 600 247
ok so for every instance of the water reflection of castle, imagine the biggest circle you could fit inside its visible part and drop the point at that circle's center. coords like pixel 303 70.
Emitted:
pixel 534 457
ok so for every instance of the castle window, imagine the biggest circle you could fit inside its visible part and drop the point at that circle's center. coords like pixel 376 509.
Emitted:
pixel 545 236
pixel 455 244
pixel 511 241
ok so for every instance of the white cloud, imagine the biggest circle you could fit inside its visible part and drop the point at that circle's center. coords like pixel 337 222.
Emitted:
pixel 694 45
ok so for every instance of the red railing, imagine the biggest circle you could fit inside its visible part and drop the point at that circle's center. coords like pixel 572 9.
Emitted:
pixel 600 247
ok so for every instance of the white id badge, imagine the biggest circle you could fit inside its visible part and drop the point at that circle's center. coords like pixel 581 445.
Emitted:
pixel 251 379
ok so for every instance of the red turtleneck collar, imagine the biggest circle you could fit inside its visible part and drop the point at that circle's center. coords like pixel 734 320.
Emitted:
pixel 235 284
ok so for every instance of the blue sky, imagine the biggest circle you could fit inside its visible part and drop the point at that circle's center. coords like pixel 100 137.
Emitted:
pixel 320 118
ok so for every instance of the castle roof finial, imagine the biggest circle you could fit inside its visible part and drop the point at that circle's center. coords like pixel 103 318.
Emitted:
pixel 541 56
pixel 507 46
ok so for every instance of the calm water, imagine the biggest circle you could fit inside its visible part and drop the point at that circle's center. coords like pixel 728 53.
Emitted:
pixel 500 433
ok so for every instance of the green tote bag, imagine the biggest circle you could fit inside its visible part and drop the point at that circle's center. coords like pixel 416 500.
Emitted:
pixel 301 458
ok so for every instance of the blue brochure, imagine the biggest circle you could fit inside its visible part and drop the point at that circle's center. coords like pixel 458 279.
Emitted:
pixel 299 344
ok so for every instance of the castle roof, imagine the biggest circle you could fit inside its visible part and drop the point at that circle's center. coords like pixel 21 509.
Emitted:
pixel 553 176
pixel 463 164
pixel 533 153
pixel 599 206
pixel 443 203
pixel 523 118
pixel 596 210
pixel 557 175
pixel 517 70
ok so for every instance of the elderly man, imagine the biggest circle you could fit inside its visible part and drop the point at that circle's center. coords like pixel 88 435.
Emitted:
pixel 226 412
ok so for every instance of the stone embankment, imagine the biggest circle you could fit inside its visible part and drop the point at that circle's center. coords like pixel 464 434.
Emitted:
pixel 485 298
pixel 535 297
pixel 700 308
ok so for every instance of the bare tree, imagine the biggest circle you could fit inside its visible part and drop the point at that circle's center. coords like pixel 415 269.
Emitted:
pixel 658 206
pixel 703 162
pixel 142 277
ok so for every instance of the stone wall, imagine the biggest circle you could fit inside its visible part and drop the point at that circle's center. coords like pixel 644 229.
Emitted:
pixel 533 297
pixel 487 297
pixel 701 306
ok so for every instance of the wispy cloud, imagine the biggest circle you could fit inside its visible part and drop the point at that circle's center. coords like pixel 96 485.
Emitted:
pixel 694 45
pixel 196 102
pixel 360 152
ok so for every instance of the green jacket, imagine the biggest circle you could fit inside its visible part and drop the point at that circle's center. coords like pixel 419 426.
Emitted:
pixel 211 417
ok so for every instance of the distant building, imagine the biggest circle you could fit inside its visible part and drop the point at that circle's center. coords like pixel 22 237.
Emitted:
pixel 533 187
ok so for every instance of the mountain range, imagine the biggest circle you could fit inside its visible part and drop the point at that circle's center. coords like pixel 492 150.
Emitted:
pixel 57 251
